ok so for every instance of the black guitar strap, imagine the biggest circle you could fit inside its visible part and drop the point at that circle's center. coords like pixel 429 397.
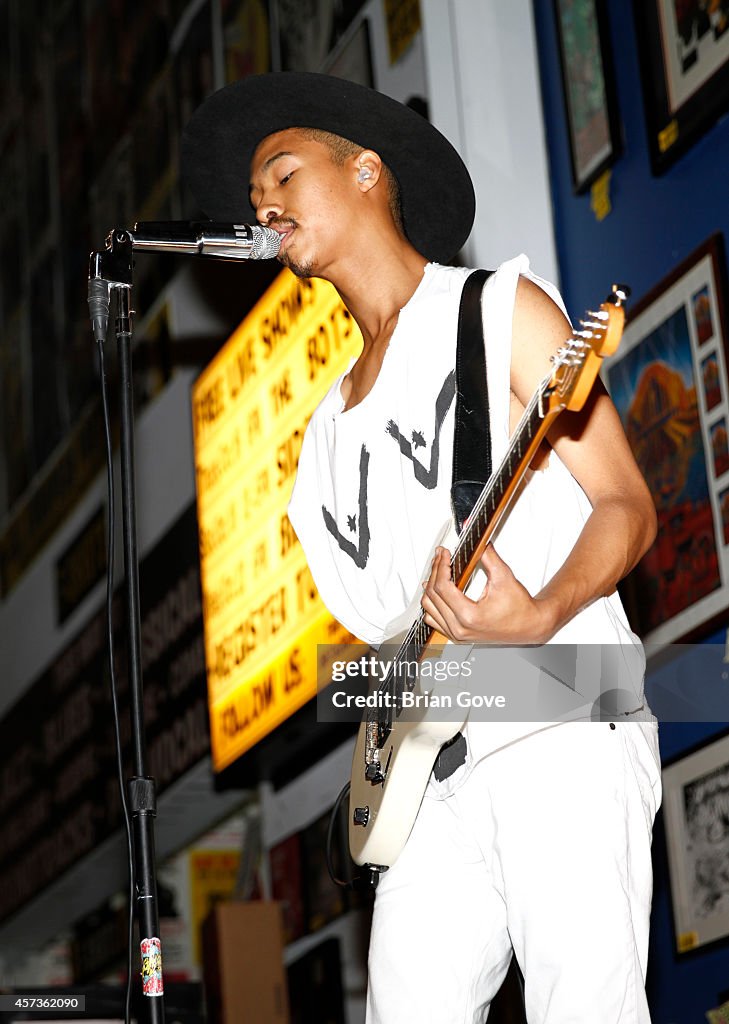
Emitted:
pixel 471 447
pixel 472 436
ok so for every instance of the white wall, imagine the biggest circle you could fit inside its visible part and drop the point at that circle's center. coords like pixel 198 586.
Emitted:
pixel 483 84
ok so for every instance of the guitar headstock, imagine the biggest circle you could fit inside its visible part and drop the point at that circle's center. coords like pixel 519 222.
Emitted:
pixel 577 362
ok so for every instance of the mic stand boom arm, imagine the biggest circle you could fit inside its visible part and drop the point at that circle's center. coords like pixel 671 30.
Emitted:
pixel 111 269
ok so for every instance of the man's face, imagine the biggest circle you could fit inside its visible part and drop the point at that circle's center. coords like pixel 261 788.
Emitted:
pixel 298 190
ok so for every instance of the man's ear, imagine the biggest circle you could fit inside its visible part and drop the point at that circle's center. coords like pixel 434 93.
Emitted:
pixel 367 169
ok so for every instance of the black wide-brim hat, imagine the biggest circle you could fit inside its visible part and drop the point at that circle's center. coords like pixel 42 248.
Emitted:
pixel 438 202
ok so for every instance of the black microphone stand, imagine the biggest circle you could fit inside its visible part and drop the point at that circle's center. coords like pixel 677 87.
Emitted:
pixel 111 270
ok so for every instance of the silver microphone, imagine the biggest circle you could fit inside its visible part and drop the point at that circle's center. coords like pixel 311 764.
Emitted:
pixel 206 238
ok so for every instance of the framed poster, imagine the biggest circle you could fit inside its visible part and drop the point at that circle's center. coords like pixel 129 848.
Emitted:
pixel 696 811
pixel 684 63
pixel 589 91
pixel 669 384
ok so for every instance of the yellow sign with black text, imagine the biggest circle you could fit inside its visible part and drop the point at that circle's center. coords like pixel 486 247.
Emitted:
pixel 263 617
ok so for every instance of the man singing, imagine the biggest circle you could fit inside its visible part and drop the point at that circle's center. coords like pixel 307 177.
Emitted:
pixel 538 842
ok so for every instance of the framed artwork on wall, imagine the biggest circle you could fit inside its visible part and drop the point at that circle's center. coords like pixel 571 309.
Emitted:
pixel 684 63
pixel 589 90
pixel 695 801
pixel 308 31
pixel 351 58
pixel 669 384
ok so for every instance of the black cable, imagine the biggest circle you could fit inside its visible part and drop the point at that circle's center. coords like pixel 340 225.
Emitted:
pixel 112 673
pixel 330 836
pixel 367 879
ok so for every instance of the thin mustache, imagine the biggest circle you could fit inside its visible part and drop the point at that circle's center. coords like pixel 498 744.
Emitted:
pixel 283 222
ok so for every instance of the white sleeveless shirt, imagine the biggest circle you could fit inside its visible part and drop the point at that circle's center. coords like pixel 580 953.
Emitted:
pixel 372 491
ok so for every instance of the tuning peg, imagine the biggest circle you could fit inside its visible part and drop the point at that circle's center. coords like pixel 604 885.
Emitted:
pixel 566 357
pixel 620 294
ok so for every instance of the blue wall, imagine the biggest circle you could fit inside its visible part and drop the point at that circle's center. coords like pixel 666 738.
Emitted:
pixel 654 224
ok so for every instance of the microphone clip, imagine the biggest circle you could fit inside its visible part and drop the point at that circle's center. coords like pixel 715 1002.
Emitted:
pixel 110 268
pixel 115 263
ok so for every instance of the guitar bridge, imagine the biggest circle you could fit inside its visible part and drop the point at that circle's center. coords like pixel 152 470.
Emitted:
pixel 373 767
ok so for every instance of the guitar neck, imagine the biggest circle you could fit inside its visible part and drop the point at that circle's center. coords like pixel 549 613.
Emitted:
pixel 496 496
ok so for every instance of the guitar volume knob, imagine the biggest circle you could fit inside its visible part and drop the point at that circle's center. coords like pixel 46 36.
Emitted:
pixel 373 773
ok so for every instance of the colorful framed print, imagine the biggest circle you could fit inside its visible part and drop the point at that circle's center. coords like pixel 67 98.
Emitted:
pixel 695 800
pixel 669 384
pixel 684 62
pixel 589 92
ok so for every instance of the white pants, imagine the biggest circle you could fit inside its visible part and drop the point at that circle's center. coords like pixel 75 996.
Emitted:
pixel 544 848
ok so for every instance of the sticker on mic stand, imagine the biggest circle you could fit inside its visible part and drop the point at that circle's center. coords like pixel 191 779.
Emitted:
pixel 151 967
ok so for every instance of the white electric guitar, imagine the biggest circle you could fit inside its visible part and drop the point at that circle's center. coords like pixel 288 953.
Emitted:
pixel 395 752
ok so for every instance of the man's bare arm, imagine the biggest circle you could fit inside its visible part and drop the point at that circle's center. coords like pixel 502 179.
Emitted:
pixel 619 530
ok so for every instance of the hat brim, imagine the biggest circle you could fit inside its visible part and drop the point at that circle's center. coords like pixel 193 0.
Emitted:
pixel 438 202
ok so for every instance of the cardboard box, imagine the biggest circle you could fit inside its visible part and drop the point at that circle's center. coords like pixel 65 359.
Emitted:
pixel 243 972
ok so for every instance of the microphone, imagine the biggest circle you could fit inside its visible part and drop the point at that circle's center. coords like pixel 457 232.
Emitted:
pixel 193 238
pixel 206 238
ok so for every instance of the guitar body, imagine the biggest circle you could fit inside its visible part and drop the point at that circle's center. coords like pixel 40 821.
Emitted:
pixel 397 742
pixel 389 806
pixel 392 805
